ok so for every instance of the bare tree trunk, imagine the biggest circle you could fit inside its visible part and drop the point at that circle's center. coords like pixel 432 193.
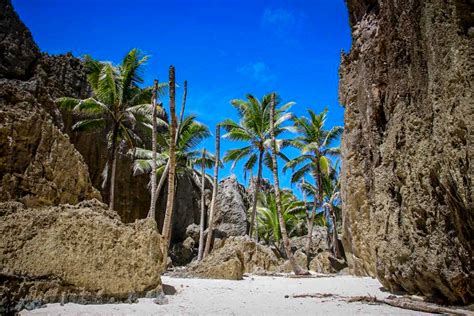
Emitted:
pixel 309 240
pixel 255 195
pixel 164 175
pixel 335 243
pixel 210 226
pixel 286 242
pixel 310 221
pixel 110 180
pixel 203 205
pixel 172 160
pixel 319 196
pixel 183 105
pixel 152 212
pixel 163 178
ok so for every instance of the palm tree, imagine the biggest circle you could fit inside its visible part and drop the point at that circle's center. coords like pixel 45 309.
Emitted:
pixel 188 158
pixel 117 104
pixel 203 205
pixel 286 242
pixel 313 217
pixel 151 213
pixel 172 161
pixel 156 191
pixel 215 183
pixel 254 129
pixel 331 185
pixel 294 212
pixel 314 143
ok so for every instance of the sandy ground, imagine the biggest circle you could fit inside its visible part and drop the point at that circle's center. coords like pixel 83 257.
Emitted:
pixel 255 295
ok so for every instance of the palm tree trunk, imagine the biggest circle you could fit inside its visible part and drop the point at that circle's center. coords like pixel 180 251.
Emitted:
pixel 210 226
pixel 112 180
pixel 318 181
pixel 255 194
pixel 172 160
pixel 111 162
pixel 309 240
pixel 160 185
pixel 183 105
pixel 335 243
pixel 286 242
pixel 164 175
pixel 203 206
pixel 151 213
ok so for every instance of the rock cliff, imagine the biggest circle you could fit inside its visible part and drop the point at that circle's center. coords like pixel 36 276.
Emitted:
pixel 38 164
pixel 407 87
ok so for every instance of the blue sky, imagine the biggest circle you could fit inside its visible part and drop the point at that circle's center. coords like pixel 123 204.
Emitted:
pixel 224 49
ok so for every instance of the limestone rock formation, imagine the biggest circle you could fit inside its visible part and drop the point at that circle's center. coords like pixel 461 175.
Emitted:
pixel 407 86
pixel 18 52
pixel 81 253
pixel 232 257
pixel 38 164
pixel 231 209
pixel 324 262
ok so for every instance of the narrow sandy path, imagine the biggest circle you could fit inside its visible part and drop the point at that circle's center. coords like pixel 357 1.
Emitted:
pixel 255 295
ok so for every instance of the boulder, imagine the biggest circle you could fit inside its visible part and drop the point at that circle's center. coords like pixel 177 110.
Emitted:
pixel 300 258
pixel 231 258
pixel 80 253
pixel 193 232
pixel 324 262
pixel 183 252
pixel 318 242
pixel 407 171
pixel 231 209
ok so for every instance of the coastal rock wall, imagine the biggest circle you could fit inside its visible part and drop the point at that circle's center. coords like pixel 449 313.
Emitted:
pixel 407 88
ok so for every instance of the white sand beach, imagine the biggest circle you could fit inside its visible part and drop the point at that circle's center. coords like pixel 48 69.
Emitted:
pixel 255 295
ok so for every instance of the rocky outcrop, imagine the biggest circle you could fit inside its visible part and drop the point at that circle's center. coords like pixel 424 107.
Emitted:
pixel 231 209
pixel 325 262
pixel 407 195
pixel 18 52
pixel 38 164
pixel 231 258
pixel 81 253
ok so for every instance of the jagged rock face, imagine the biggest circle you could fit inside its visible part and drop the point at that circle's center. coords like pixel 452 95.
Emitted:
pixel 18 51
pixel 38 164
pixel 35 80
pixel 81 253
pixel 406 178
pixel 231 209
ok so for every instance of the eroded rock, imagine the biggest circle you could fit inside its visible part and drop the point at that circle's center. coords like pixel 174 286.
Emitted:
pixel 231 258
pixel 407 146
pixel 231 209
pixel 80 253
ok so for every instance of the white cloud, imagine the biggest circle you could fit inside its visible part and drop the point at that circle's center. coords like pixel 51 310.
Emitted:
pixel 258 71
pixel 282 22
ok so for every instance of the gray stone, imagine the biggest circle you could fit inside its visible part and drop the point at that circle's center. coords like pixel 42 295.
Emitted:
pixel 231 209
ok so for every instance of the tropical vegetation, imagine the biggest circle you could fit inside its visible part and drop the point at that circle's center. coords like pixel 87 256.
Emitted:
pixel 118 105
pixel 166 145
